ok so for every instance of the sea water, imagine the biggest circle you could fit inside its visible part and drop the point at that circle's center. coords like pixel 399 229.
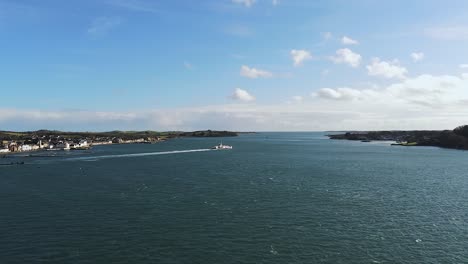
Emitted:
pixel 274 198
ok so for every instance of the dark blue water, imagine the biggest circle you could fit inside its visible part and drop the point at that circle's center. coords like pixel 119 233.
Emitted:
pixel 274 198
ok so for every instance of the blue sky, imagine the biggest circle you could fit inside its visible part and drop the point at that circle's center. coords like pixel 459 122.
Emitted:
pixel 233 64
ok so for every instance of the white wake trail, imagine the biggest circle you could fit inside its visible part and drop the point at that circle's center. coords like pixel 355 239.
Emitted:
pixel 138 154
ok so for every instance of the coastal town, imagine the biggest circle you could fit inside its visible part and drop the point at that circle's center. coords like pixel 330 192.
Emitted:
pixel 46 140
pixel 34 144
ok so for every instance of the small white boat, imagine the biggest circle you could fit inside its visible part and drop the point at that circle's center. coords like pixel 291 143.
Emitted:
pixel 221 146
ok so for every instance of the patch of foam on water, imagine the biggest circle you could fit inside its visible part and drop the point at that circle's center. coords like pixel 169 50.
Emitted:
pixel 94 158
pixel 273 251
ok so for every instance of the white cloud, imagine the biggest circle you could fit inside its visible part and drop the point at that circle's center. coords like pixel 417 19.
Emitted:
pixel 344 93
pixel 235 117
pixel 347 56
pixel 102 25
pixel 246 3
pixel 423 102
pixel 386 69
pixel 417 56
pixel 348 41
pixel 424 90
pixel 463 66
pixel 427 88
pixel 299 56
pixel 275 2
pixel 253 73
pixel 242 95
pixel 448 32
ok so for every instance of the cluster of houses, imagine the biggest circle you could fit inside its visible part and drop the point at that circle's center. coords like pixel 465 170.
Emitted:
pixel 23 146
pixel 8 146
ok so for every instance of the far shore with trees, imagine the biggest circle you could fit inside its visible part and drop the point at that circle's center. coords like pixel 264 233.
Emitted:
pixel 453 139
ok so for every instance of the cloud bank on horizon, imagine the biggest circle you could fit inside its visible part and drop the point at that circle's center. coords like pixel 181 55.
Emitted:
pixel 241 65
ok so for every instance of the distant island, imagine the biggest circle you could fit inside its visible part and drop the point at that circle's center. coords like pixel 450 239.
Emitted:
pixel 454 139
pixel 58 140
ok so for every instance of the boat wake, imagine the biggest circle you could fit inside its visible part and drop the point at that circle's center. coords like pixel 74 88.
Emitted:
pixel 95 158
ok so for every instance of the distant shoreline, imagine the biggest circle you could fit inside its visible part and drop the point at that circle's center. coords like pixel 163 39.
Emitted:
pixel 453 139
pixel 41 140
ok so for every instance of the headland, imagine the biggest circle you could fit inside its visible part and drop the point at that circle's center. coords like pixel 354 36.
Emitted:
pixel 453 139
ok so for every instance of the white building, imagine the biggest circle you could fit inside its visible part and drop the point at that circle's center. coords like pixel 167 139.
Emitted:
pixel 26 148
pixel 83 143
